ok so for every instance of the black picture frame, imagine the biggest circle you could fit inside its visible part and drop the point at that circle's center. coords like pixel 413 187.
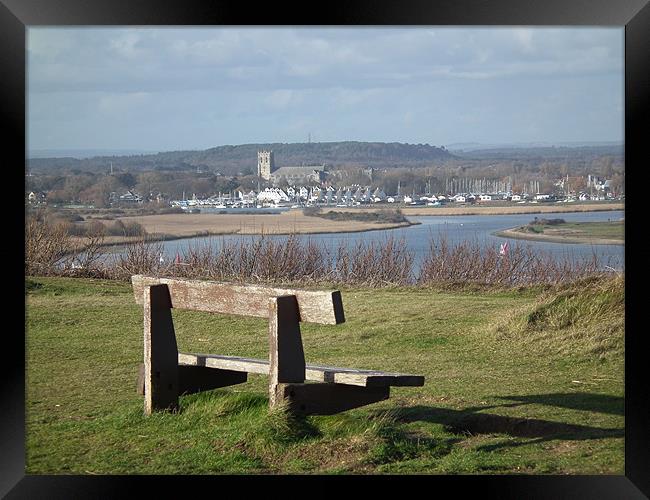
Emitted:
pixel 634 15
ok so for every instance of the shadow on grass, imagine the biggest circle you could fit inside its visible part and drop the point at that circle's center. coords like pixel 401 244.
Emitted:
pixel 470 422
pixel 600 403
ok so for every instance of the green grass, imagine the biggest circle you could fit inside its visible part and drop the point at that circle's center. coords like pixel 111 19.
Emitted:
pixel 510 387
pixel 383 215
pixel 589 230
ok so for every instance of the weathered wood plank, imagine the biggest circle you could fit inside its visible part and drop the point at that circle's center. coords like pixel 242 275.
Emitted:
pixel 235 363
pixel 316 373
pixel 327 399
pixel 286 355
pixel 323 307
pixel 160 351
pixel 365 378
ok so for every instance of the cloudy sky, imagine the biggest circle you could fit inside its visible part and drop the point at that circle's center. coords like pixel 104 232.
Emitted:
pixel 163 89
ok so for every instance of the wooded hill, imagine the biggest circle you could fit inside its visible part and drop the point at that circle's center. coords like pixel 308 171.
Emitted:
pixel 232 160
pixel 541 153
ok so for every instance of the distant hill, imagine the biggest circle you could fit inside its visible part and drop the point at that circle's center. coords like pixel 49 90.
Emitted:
pixel 542 152
pixel 84 153
pixel 477 146
pixel 230 160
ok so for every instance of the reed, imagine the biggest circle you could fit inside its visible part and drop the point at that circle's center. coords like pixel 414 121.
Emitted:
pixel 294 260
pixel 469 262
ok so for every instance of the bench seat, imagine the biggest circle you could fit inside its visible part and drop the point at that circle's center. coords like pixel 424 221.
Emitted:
pixel 316 373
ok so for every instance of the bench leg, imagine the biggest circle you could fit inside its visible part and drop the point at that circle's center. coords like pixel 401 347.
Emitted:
pixel 286 355
pixel 160 351
pixel 327 399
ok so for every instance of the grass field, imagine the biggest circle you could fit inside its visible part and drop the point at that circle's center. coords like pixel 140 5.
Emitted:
pixel 605 232
pixel 515 382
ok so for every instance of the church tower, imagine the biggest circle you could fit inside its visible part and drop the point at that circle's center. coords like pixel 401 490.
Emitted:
pixel 265 164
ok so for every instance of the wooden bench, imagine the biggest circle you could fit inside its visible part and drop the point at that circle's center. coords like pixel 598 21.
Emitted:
pixel 166 373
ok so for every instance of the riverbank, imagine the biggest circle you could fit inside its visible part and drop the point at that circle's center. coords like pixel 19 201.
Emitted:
pixel 596 233
pixel 164 227
pixel 178 226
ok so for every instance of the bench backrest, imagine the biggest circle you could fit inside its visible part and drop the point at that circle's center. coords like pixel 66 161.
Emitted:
pixel 322 307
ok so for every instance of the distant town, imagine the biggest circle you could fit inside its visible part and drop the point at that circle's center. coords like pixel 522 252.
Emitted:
pixel 312 188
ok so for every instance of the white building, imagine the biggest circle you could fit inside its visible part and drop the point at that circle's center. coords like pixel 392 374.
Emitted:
pixel 378 195
pixel 272 195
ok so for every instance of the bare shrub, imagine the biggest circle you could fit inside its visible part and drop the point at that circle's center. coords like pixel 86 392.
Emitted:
pixel 46 246
pixel 375 264
pixel 87 258
pixel 469 262
pixel 140 257
pixel 293 260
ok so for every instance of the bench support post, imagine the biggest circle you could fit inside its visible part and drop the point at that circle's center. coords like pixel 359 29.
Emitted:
pixel 160 351
pixel 286 355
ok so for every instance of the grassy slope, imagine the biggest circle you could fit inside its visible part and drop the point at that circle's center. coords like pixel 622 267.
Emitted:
pixel 493 402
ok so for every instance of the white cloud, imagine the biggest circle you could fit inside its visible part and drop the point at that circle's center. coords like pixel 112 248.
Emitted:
pixel 122 103
pixel 50 43
pixel 128 45
pixel 281 99
pixel 525 38
pixel 147 60
pixel 334 81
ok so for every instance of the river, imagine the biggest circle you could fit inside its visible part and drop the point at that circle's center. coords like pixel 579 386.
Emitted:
pixel 455 229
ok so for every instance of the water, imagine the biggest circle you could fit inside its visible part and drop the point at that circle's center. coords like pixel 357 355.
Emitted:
pixel 455 229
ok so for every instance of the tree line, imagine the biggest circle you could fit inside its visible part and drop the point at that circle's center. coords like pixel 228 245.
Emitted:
pixel 72 185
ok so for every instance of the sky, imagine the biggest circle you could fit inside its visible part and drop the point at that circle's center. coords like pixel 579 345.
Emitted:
pixel 167 89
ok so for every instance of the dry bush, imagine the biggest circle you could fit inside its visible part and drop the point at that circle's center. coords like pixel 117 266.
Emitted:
pixel 46 246
pixel 259 260
pixel 140 257
pixel 50 250
pixel 470 263
pixel 375 264
pixel 388 263
pixel 293 260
